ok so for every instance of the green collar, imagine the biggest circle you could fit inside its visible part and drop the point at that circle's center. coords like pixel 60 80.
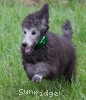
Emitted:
pixel 41 43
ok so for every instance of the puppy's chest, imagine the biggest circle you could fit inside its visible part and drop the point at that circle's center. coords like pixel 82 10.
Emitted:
pixel 36 57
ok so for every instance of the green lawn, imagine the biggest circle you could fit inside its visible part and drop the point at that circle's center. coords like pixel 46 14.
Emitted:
pixel 12 75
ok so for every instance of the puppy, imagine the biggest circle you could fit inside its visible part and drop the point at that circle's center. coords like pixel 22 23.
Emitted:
pixel 44 54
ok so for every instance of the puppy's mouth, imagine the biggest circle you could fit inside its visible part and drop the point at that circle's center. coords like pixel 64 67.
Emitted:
pixel 28 50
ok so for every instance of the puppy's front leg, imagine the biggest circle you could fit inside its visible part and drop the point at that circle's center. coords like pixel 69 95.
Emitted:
pixel 43 70
pixel 39 71
pixel 37 78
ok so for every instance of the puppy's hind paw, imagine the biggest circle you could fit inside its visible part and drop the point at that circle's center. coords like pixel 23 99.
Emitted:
pixel 37 78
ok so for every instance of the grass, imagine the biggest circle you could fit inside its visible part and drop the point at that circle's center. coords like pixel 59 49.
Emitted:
pixel 12 75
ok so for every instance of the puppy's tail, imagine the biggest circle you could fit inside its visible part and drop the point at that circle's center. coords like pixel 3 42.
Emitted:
pixel 67 30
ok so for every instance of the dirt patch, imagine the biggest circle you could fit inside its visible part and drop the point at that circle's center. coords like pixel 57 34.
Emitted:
pixel 32 2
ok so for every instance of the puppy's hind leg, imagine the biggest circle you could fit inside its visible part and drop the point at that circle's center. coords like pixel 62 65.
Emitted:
pixel 70 72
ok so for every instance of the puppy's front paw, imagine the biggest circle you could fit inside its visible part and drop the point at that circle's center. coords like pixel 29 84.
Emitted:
pixel 37 78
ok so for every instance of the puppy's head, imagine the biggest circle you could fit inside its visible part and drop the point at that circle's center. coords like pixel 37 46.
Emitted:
pixel 34 26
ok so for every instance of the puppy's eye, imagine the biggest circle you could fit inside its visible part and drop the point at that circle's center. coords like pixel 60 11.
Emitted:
pixel 24 32
pixel 33 33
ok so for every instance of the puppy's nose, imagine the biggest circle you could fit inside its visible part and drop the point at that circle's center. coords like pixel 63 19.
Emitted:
pixel 24 44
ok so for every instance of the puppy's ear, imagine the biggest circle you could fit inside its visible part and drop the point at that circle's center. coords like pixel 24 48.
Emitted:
pixel 45 15
pixel 45 11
